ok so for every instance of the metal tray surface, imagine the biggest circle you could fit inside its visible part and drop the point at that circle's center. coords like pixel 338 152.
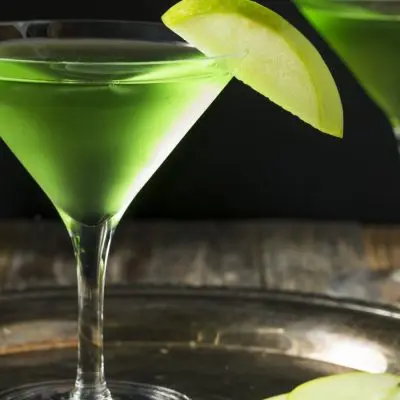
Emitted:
pixel 209 344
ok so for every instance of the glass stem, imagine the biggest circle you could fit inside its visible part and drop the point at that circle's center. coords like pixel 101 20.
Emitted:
pixel 91 245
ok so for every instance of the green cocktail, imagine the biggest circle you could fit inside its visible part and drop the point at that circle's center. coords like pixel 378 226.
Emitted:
pixel 93 134
pixel 92 109
pixel 366 35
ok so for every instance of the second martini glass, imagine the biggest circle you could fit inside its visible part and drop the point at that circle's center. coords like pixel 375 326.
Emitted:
pixel 366 35
pixel 92 109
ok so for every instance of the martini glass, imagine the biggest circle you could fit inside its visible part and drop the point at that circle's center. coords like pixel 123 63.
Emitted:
pixel 366 35
pixel 91 109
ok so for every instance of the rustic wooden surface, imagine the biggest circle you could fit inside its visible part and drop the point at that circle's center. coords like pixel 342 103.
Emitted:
pixel 346 260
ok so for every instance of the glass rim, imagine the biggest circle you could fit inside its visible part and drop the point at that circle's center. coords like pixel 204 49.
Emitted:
pixel 21 23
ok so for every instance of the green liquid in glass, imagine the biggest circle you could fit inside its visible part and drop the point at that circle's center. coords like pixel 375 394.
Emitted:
pixel 92 135
pixel 366 35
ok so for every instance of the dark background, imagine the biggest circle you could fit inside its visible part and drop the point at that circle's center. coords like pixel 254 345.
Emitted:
pixel 246 158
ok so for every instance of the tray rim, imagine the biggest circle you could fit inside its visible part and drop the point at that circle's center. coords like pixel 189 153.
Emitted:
pixel 211 293
pixel 381 314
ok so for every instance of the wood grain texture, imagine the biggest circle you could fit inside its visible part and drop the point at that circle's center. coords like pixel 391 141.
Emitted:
pixel 346 260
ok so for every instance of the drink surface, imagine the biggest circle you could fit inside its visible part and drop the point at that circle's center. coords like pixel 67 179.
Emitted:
pixel 91 124
pixel 366 35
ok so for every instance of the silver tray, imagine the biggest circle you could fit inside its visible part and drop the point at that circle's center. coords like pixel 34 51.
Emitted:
pixel 207 344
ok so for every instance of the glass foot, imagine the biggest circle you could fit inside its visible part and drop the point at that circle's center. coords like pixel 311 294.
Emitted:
pixel 61 390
